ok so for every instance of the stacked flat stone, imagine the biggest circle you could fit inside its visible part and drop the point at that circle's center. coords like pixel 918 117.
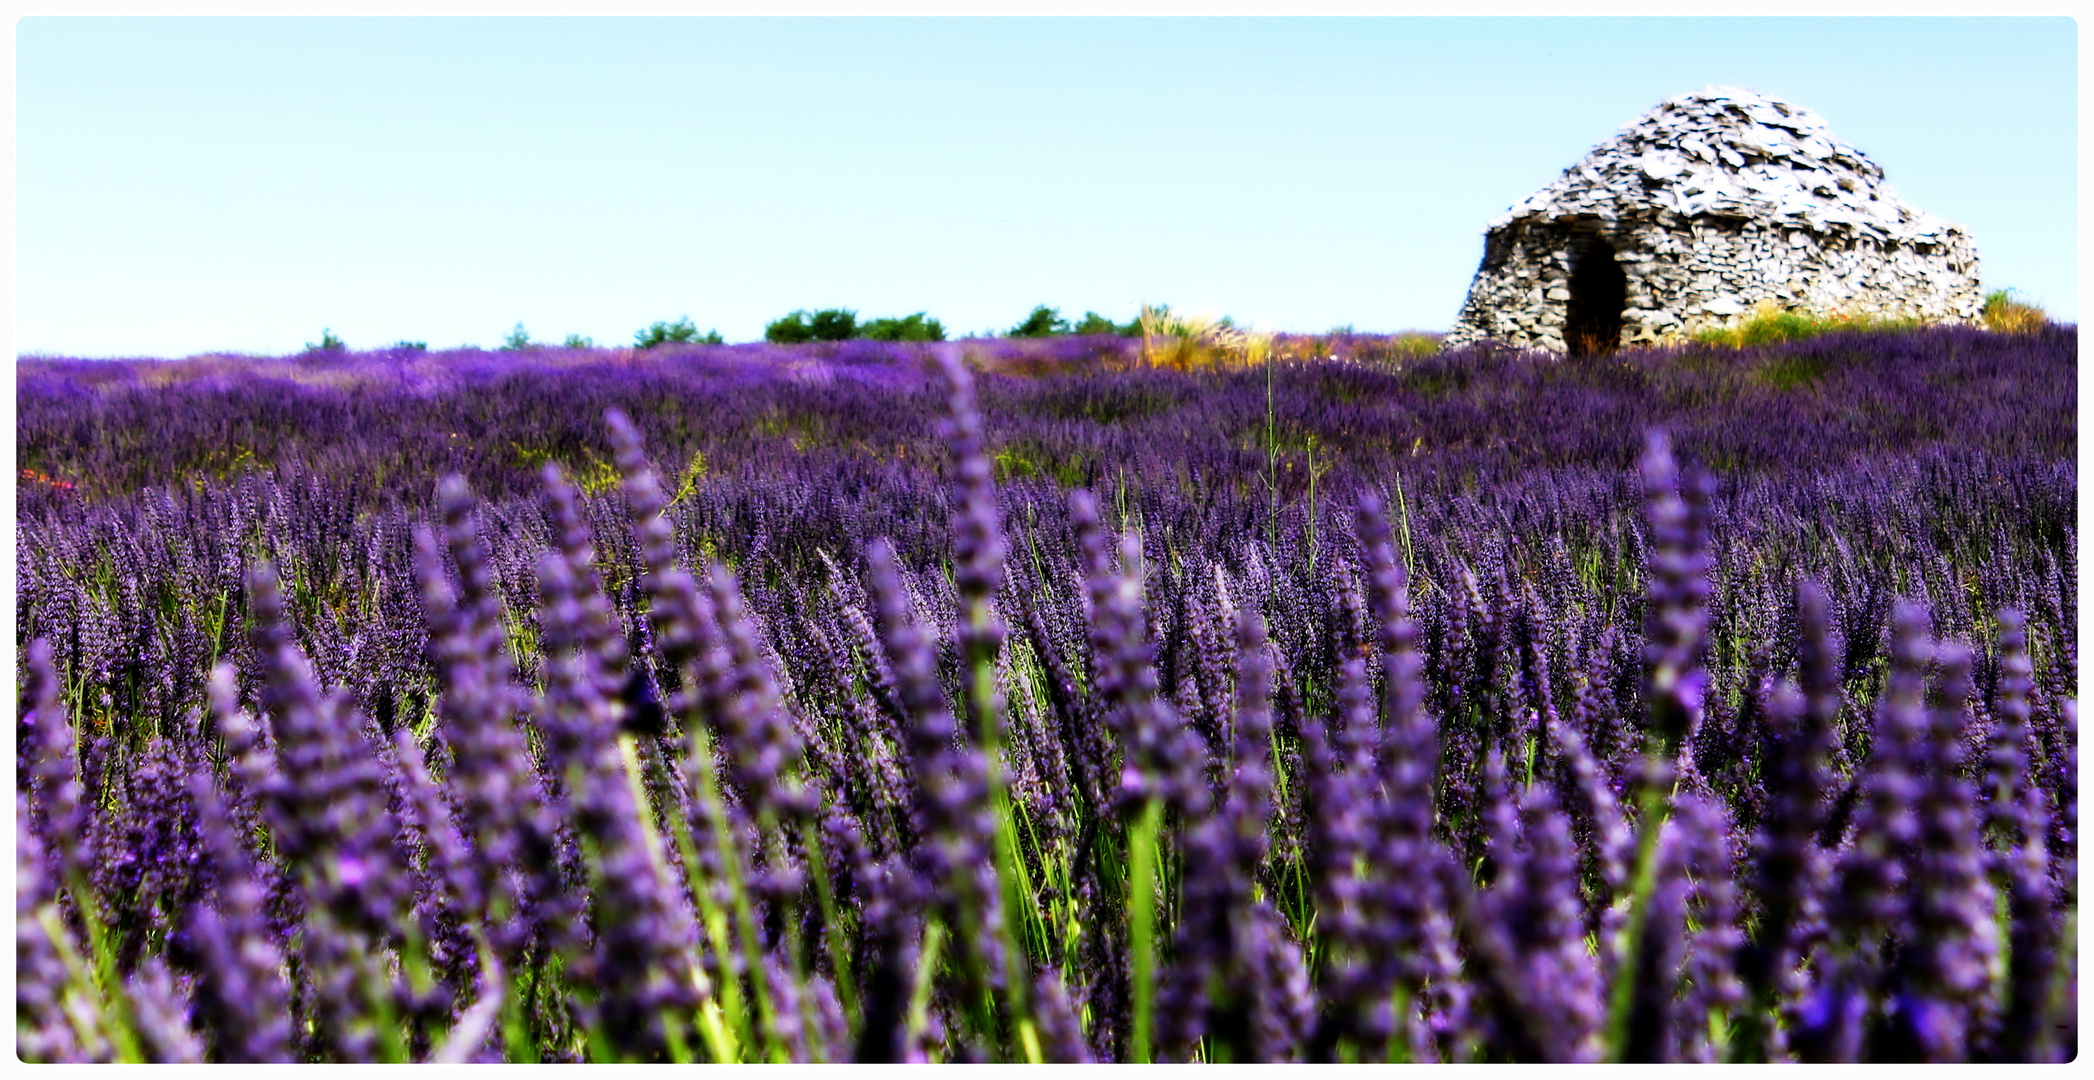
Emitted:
pixel 1716 202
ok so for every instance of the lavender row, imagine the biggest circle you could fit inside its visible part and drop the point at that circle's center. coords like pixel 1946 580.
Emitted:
pixel 386 427
pixel 1124 775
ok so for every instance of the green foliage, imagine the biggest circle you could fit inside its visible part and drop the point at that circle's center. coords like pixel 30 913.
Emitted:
pixel 682 331
pixel 577 341
pixel 1790 372
pixel 833 324
pixel 790 330
pixel 409 346
pixel 908 328
pixel 828 324
pixel 518 340
pixel 1094 323
pixel 1409 346
pixel 1043 322
pixel 2006 315
pixel 1771 325
pixel 328 343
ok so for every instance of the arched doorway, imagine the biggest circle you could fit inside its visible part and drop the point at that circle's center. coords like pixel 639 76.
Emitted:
pixel 1599 290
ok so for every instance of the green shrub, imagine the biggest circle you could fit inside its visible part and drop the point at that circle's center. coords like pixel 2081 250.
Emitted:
pixel 577 341
pixel 328 343
pixel 908 328
pixel 409 346
pixel 828 324
pixel 1043 322
pixel 833 324
pixel 518 340
pixel 1094 323
pixel 682 331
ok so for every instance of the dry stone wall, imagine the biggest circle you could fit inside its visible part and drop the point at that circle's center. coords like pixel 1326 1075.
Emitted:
pixel 1710 204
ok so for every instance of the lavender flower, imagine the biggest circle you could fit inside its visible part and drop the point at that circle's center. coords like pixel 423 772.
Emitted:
pixel 640 967
pixel 518 872
pixel 328 812
pixel 1654 1015
pixel 160 1012
pixel 240 988
pixel 1679 590
pixel 1124 669
pixel 952 805
pixel 1714 991
pixel 1866 901
pixel 54 776
pixel 43 1032
pixel 1942 970
pixel 1790 867
pixel 2020 815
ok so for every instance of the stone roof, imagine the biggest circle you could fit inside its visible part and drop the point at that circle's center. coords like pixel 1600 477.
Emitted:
pixel 1732 152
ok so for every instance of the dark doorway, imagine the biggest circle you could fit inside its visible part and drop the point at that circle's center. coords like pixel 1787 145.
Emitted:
pixel 1599 290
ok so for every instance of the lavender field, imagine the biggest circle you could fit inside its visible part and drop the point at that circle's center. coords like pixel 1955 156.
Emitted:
pixel 1016 700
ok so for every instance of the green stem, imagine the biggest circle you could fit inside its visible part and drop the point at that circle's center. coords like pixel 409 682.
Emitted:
pixel 1141 914
pixel 730 855
pixel 926 971
pixel 115 1003
pixel 833 935
pixel 636 783
pixel 725 1021
pixel 1654 808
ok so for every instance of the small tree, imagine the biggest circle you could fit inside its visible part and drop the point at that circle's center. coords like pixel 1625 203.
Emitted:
pixel 1043 322
pixel 833 324
pixel 577 341
pixel 328 343
pixel 681 331
pixel 908 328
pixel 1094 323
pixel 790 330
pixel 828 324
pixel 518 340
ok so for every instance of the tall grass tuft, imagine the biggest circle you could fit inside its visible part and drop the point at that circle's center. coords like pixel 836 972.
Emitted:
pixel 2006 315
pixel 1771 324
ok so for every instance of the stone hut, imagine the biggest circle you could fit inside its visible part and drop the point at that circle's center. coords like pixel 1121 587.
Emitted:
pixel 1701 209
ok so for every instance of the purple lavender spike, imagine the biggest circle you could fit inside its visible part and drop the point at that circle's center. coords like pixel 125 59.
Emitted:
pixel 161 1015
pixel 1223 936
pixel 240 990
pixel 1679 591
pixel 1339 833
pixel 1409 752
pixel 43 1032
pixel 519 872
pixel 1536 903
pixel 1713 987
pixel 2020 813
pixel 952 796
pixel 1061 1032
pixel 1871 876
pixel 978 547
pixel 1654 1016
pixel 1124 663
pixel 327 809
pixel 640 968
pixel 767 750
pixel 1950 939
pixel 54 777
pixel 452 899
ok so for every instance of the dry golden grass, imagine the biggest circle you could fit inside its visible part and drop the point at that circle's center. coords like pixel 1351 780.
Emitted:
pixel 1192 342
pixel 2006 315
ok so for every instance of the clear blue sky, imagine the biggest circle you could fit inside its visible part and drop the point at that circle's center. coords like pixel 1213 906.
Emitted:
pixel 191 185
